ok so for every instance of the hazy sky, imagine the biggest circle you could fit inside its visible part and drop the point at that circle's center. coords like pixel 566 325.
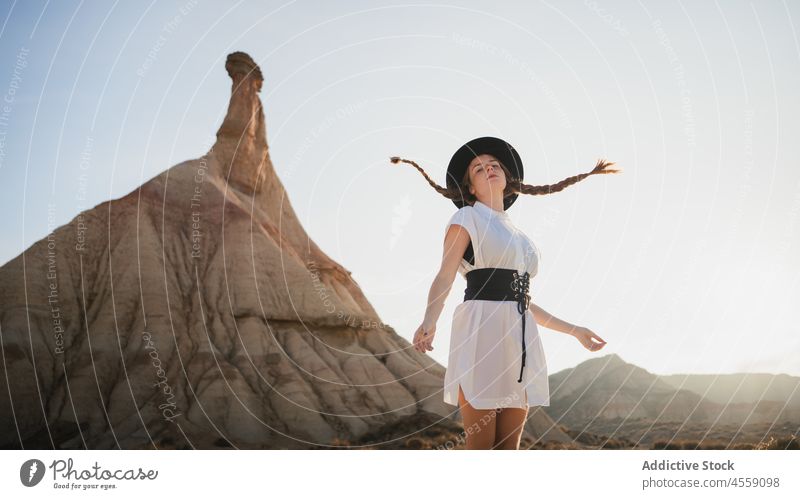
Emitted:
pixel 685 262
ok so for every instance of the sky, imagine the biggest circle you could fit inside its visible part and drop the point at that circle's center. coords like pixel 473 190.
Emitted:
pixel 686 262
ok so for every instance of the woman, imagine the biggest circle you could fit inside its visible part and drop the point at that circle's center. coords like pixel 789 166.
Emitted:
pixel 490 335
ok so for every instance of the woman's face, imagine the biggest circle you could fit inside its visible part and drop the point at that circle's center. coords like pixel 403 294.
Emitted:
pixel 486 177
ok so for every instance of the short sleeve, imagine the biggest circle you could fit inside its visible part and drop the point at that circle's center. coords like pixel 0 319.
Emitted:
pixel 464 218
pixel 461 217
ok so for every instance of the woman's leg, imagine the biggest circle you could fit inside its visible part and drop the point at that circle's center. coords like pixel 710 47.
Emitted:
pixel 508 432
pixel 479 424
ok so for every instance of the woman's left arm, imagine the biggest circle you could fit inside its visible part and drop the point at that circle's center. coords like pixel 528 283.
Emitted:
pixel 582 334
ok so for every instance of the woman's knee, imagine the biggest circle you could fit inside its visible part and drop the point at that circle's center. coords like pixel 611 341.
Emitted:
pixel 480 435
pixel 479 425
pixel 510 423
pixel 507 441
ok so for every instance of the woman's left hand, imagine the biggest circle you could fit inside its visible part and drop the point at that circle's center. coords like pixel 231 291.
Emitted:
pixel 586 336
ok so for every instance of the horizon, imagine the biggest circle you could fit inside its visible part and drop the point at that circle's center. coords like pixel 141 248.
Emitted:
pixel 736 373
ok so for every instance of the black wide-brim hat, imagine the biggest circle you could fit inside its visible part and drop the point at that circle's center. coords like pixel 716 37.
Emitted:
pixel 498 148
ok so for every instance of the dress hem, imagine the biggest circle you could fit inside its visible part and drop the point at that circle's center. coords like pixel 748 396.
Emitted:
pixel 493 403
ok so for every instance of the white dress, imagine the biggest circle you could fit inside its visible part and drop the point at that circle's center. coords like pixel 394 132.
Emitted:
pixel 486 340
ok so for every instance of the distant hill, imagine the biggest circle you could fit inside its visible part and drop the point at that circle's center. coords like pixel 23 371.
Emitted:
pixel 740 387
pixel 607 395
pixel 608 387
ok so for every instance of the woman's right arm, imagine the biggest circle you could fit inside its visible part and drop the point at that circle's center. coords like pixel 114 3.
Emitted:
pixel 455 244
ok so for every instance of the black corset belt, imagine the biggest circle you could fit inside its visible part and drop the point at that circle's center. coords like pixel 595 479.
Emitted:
pixel 501 285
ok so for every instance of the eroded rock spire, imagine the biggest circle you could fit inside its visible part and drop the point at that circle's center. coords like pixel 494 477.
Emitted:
pixel 241 149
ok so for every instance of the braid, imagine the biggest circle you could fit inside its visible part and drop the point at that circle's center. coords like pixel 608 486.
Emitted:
pixel 448 193
pixel 518 186
pixel 513 184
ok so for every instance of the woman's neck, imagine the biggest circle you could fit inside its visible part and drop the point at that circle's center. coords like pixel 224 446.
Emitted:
pixel 494 203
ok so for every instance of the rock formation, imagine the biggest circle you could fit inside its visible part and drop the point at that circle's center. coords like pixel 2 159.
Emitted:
pixel 195 312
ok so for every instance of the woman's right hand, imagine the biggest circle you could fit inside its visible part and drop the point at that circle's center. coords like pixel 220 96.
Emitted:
pixel 423 338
